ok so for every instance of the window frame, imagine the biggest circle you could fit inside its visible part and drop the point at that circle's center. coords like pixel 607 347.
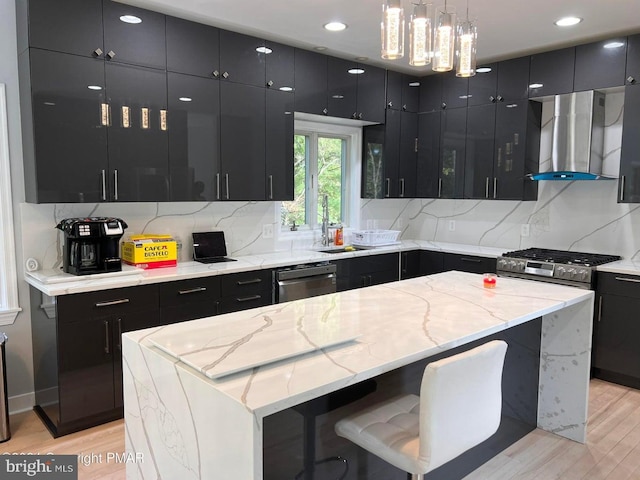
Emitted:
pixel 9 303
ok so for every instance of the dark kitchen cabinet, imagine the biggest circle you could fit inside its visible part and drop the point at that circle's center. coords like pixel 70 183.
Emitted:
pixel 242 157
pixel 453 130
pixel 479 160
pixel 78 356
pixel 365 271
pixel 431 93
pixel 513 80
pixel 279 145
pixel 408 154
pixel 137 134
pixel 189 299
pixel 242 59
pixel 142 42
pixel 633 60
pixel 629 181
pixel 69 26
pixel 280 73
pixel 455 90
pixel 373 162
pixel 616 330
pixel 311 82
pixel 428 159
pixel 64 133
pixel 193 48
pixel 431 262
pixel 403 92
pixel 551 73
pixel 391 157
pixel 342 88
pixel 600 64
pixel 194 137
pixel 371 93
pixel 410 264
pixel 241 291
pixel 468 263
pixel 483 86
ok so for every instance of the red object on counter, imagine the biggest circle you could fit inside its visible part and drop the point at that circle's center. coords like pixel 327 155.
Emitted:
pixel 489 280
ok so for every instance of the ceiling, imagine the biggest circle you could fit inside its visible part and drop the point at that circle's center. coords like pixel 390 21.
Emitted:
pixel 506 28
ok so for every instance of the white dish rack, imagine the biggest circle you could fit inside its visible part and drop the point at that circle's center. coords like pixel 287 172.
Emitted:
pixel 375 238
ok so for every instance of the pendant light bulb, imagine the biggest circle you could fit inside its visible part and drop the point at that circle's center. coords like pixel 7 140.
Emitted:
pixel 466 45
pixel 444 39
pixel 392 30
pixel 420 35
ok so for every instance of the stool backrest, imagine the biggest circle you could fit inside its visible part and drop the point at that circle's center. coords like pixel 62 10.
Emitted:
pixel 460 402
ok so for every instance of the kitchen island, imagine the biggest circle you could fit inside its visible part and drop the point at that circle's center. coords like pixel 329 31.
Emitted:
pixel 189 422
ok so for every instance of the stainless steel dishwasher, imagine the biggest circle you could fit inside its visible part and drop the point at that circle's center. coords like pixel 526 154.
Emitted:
pixel 303 281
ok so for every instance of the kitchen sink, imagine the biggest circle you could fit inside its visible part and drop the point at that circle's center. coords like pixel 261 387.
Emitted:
pixel 342 249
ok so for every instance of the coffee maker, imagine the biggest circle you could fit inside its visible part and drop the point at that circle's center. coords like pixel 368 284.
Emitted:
pixel 91 245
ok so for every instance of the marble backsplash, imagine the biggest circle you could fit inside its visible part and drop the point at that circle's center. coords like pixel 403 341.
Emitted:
pixel 578 215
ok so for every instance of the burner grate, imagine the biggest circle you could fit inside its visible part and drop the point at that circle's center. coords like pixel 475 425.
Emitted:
pixel 560 256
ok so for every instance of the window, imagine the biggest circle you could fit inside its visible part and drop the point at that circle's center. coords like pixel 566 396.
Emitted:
pixel 8 279
pixel 325 163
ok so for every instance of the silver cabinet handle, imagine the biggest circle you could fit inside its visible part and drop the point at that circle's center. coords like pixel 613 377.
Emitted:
pixel 600 308
pixel 111 55
pixel 402 187
pixel 387 192
pixel 495 187
pixel 270 187
pixel 115 184
pixel 486 188
pixel 415 145
pixel 439 187
pixel 215 74
pixel 248 299
pixel 97 52
pixel 622 178
pixel 225 75
pixel 249 282
pixel 104 185
pixel 107 342
pixel 632 280
pixel 470 260
pixel 217 186
pixel 119 344
pixel 192 290
pixel 226 181
pixel 112 302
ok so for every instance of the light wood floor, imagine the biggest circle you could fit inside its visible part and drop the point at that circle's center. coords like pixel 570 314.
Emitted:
pixel 612 451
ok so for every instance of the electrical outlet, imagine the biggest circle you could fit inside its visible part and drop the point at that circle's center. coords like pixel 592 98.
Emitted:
pixel 452 225
pixel 524 230
pixel 267 230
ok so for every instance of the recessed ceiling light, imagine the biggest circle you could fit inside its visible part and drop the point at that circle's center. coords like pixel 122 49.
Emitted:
pixel 286 89
pixel 414 84
pixel 94 87
pixel 335 26
pixel 568 21
pixel 130 19
pixel 50 104
pixel 614 45
pixel 536 85
pixel 356 71
pixel 265 50
pixel 483 70
pixel 320 49
pixel 185 99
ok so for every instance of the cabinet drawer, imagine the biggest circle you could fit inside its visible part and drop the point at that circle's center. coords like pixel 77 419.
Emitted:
pixel 245 302
pixel 189 291
pixel 375 263
pixel 246 283
pixel 469 263
pixel 189 311
pixel 619 284
pixel 107 302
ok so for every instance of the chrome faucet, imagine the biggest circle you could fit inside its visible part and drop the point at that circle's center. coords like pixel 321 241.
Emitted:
pixel 325 220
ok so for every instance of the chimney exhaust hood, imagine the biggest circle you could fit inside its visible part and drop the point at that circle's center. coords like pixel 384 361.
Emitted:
pixel 578 138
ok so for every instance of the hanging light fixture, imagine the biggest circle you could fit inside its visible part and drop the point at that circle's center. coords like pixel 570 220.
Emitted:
pixel 420 35
pixel 444 39
pixel 392 30
pixel 466 44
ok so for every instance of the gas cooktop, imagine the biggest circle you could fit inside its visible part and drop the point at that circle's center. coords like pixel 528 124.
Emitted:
pixel 560 256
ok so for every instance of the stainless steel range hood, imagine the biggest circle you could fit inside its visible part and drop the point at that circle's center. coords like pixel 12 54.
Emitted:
pixel 578 138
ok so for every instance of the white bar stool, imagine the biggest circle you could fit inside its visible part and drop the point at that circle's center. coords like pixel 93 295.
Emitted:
pixel 459 406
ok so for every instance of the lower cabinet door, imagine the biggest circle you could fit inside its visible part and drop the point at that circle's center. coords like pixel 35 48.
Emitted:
pixel 85 382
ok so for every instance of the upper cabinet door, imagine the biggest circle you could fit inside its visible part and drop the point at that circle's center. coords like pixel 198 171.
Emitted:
pixel 629 182
pixel 551 73
pixel 408 154
pixel 633 60
pixel 600 64
pixel 70 133
pixel 392 153
pixel 138 147
pixel 394 89
pixel 70 26
pixel 453 132
pixel 455 90
pixel 342 86
pixel 279 145
pixel 478 168
pixel 192 48
pixel 427 170
pixel 280 67
pixel 373 162
pixel 431 93
pixel 410 93
pixel 371 96
pixel 134 36
pixel 242 59
pixel 513 80
pixel 194 137
pixel 483 86
pixel 311 82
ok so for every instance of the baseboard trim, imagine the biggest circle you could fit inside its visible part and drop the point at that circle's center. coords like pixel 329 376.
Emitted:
pixel 22 403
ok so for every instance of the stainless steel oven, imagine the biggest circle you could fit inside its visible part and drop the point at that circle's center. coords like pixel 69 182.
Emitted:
pixel 303 281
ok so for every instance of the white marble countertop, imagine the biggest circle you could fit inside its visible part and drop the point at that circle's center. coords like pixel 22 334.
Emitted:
pixel 628 267
pixel 54 282
pixel 398 323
